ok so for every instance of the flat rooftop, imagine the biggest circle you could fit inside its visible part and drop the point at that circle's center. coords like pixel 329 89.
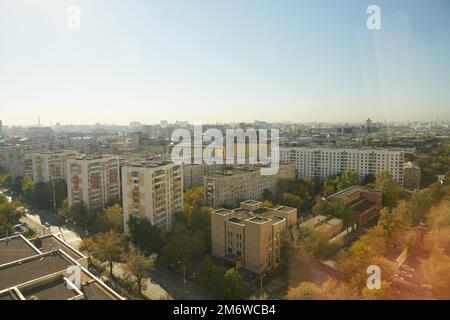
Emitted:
pixel 361 205
pixel 260 215
pixel 51 243
pixel 54 290
pixel 15 248
pixel 350 191
pixel 34 268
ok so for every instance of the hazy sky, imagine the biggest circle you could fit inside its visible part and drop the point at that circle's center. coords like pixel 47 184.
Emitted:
pixel 224 60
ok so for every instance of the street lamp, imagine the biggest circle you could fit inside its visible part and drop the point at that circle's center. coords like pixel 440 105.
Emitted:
pixel 184 274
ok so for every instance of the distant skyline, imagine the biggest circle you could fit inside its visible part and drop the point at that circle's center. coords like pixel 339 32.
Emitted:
pixel 223 61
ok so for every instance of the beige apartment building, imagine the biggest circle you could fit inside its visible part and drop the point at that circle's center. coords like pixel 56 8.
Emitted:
pixel 153 191
pixel 50 165
pixel 250 237
pixel 226 188
pixel 19 163
pixel 93 180
pixel 193 174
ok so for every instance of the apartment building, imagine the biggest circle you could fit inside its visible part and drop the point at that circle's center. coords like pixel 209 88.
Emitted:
pixel 193 174
pixel 322 162
pixel 152 190
pixel 226 188
pixel 411 176
pixel 47 268
pixel 250 237
pixel 19 163
pixel 94 181
pixel 50 165
pixel 364 202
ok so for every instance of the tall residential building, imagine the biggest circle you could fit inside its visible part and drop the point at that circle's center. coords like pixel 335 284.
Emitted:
pixel 193 174
pixel 250 237
pixel 50 165
pixel 323 162
pixel 93 180
pixel 153 191
pixel 226 188
pixel 19 163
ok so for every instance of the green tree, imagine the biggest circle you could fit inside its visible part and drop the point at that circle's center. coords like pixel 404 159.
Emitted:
pixel 391 223
pixel 79 213
pixel 111 219
pixel 109 248
pixel 88 246
pixel 390 191
pixel 147 237
pixel 234 287
pixel 182 245
pixel 28 188
pixel 138 265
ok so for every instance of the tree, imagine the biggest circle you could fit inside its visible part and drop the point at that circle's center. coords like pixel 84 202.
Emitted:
pixel 439 239
pixel 88 246
pixel 182 245
pixel 368 179
pixel 234 287
pixel 385 183
pixel 368 250
pixel 64 208
pixel 391 224
pixel 3 198
pixel 111 219
pixel 304 291
pixel 437 269
pixel 28 188
pixel 138 265
pixel 7 181
pixel 9 216
pixel 439 217
pixel 211 276
pixel 109 248
pixel 384 293
pixel 79 213
pixel 194 197
pixel 334 208
pixel 147 237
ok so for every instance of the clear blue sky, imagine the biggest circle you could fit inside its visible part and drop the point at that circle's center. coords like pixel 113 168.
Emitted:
pixel 227 60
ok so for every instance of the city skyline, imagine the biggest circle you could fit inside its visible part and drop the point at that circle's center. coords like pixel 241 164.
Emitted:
pixel 224 62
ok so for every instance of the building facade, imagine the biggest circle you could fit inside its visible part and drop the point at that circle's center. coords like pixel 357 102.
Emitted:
pixel 94 181
pixel 152 191
pixel 50 165
pixel 321 162
pixel 250 237
pixel 227 188
pixel 365 203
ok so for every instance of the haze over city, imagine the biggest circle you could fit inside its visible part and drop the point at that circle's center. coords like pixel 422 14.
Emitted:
pixel 223 61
